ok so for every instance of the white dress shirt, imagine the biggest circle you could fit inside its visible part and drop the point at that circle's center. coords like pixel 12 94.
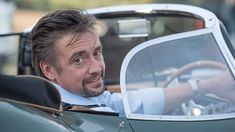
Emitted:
pixel 144 101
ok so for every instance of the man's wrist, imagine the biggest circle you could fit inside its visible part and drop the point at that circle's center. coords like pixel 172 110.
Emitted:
pixel 194 86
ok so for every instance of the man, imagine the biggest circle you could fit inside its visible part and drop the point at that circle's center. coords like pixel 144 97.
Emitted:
pixel 67 51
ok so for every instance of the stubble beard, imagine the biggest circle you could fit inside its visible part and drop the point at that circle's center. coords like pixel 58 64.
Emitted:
pixel 89 93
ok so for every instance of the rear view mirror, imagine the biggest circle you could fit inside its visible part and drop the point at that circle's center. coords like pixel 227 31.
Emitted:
pixel 133 28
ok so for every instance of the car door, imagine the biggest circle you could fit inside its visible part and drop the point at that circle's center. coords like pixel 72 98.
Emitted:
pixel 95 121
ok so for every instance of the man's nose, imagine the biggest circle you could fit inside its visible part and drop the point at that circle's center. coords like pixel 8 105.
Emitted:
pixel 95 66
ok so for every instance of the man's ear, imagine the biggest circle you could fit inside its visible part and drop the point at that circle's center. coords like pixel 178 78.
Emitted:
pixel 48 70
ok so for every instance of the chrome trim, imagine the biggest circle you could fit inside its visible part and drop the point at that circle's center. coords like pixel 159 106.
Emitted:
pixel 224 48
pixel 182 118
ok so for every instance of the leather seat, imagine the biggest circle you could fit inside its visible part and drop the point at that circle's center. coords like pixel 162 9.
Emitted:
pixel 30 90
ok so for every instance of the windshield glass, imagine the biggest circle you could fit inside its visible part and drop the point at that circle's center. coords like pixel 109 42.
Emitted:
pixel 169 66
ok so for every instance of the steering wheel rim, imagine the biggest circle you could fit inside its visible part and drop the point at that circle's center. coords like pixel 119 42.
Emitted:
pixel 194 65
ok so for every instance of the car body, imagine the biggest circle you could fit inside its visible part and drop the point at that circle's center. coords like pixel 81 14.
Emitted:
pixel 145 46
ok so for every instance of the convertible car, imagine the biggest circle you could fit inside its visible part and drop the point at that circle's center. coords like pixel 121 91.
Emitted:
pixel 146 46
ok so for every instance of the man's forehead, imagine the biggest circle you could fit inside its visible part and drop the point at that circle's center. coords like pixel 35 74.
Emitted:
pixel 80 41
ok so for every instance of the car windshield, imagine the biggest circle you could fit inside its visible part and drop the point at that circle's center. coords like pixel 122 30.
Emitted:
pixel 168 64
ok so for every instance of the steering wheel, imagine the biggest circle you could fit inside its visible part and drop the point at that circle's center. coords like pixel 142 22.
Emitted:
pixel 194 65
pixel 191 107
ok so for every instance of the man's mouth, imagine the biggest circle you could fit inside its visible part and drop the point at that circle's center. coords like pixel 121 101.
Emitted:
pixel 95 81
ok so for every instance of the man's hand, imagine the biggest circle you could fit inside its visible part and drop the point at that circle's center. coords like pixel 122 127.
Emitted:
pixel 223 86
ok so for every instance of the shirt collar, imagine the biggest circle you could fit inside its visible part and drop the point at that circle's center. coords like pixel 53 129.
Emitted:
pixel 72 98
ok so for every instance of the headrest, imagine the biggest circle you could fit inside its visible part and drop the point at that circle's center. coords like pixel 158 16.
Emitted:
pixel 30 90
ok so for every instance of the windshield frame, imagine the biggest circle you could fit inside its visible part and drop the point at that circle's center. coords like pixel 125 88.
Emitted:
pixel 216 32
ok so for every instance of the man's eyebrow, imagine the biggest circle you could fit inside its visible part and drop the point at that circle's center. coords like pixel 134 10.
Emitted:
pixel 78 53
pixel 100 47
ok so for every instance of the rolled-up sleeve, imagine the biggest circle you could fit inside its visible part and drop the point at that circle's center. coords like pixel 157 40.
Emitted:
pixel 147 101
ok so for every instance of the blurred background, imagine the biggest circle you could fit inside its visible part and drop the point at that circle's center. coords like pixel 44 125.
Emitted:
pixel 19 15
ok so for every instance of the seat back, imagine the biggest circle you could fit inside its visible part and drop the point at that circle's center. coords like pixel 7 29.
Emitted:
pixel 30 90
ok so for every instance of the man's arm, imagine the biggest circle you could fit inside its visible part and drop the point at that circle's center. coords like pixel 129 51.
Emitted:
pixel 222 86
pixel 175 96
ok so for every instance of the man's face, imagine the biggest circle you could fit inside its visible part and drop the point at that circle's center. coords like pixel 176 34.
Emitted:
pixel 81 64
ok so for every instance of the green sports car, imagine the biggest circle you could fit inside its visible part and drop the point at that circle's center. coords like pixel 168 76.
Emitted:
pixel 145 46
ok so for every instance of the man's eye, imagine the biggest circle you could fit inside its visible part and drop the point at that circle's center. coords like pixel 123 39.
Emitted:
pixel 98 53
pixel 79 59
